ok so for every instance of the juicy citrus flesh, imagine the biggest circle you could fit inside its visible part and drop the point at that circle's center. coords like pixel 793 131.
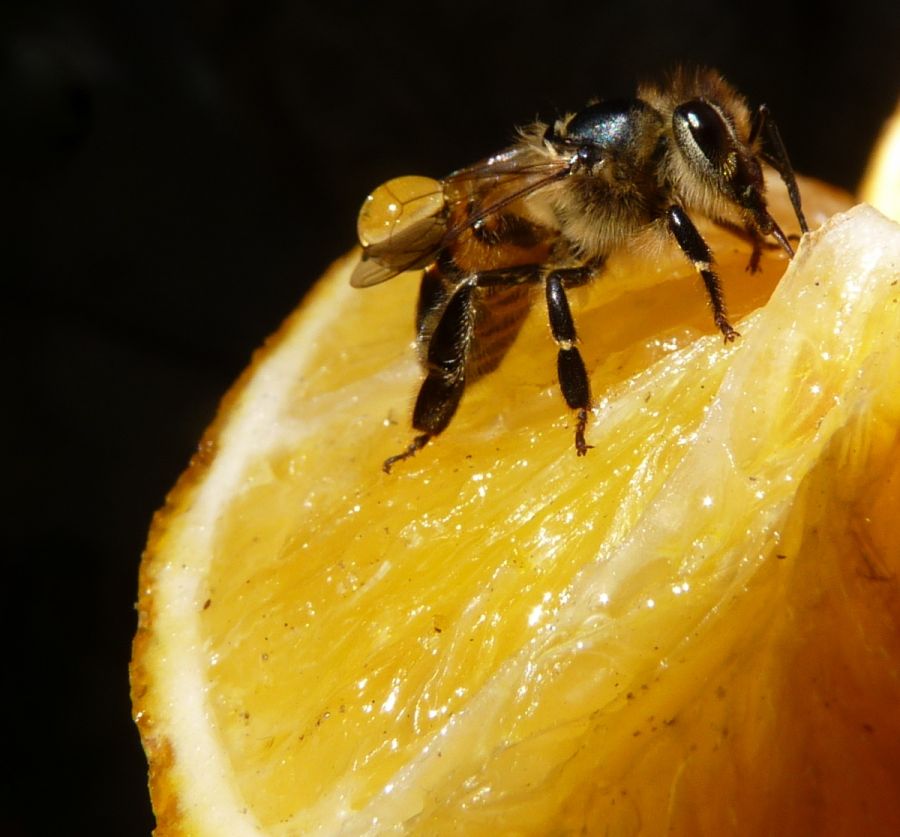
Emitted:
pixel 693 629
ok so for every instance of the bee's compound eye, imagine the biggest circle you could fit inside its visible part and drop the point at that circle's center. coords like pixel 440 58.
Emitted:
pixel 700 125
pixel 396 206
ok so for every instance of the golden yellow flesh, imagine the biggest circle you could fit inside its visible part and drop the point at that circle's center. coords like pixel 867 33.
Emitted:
pixel 692 627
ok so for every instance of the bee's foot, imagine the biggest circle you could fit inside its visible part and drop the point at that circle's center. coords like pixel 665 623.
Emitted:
pixel 415 445
pixel 728 331
pixel 753 263
pixel 581 447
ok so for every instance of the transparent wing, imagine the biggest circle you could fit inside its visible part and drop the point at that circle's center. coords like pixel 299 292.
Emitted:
pixel 497 182
pixel 401 226
pixel 405 223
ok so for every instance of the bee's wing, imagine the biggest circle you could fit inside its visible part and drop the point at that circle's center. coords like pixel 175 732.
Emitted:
pixel 493 184
pixel 410 248
pixel 406 222
pixel 401 227
pixel 368 272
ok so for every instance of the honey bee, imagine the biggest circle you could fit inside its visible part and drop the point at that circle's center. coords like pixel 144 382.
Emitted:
pixel 550 209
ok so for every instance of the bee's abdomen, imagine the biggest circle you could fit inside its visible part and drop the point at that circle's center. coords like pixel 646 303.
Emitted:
pixel 499 314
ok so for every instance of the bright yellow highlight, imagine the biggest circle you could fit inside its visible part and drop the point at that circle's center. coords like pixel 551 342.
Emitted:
pixel 695 629
pixel 881 184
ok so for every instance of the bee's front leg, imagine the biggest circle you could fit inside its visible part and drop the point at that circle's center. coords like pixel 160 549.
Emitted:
pixel 573 379
pixel 752 237
pixel 777 156
pixel 756 243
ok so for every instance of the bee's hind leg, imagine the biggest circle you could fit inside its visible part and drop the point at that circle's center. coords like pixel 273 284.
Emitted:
pixel 573 379
pixel 414 446
pixel 442 389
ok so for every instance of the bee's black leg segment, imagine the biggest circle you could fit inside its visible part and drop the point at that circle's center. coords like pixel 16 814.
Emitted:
pixel 438 398
pixel 442 389
pixel 575 277
pixel 779 159
pixel 696 249
pixel 573 379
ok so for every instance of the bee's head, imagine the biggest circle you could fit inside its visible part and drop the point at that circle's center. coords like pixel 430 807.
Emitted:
pixel 718 166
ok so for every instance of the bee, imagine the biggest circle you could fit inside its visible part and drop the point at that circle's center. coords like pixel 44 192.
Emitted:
pixel 550 209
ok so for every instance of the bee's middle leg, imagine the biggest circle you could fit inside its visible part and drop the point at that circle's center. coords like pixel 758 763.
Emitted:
pixel 697 250
pixel 573 379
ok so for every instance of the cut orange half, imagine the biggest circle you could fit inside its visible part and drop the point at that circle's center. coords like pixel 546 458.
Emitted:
pixel 692 630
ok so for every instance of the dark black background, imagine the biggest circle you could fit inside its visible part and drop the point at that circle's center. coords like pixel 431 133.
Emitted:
pixel 173 175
